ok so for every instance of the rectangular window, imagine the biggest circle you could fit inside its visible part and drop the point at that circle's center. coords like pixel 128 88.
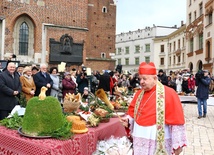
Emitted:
pixel 195 15
pixel 190 20
pixel 200 9
pixel 173 59
pixel 170 61
pixel 137 61
pixel 190 2
pixel 147 47
pixel 201 41
pixel 179 43
pixel 127 50
pixel 174 44
pixel 191 45
pixel 179 59
pixel 170 47
pixel 183 57
pixel 162 48
pixel 210 18
pixel 119 61
pixel 147 59
pixel 119 50
pixel 127 61
pixel 137 49
pixel 183 42
pixel 161 61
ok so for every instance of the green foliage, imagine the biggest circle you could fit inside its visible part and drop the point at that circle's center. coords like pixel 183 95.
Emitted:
pixel 22 100
pixel 42 116
pixel 12 123
pixel 63 132
pixel 86 108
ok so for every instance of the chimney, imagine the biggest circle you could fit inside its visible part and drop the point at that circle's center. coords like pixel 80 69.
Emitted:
pixel 182 23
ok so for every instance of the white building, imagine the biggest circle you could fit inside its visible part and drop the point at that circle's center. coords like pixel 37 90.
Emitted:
pixel 170 53
pixel 134 47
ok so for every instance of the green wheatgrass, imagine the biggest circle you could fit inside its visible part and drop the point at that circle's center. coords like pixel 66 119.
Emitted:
pixel 42 116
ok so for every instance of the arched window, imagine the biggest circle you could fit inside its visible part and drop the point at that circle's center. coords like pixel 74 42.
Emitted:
pixel 23 39
pixel 104 9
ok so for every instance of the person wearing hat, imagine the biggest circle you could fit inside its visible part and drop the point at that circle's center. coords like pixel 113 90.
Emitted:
pixel 162 77
pixel 155 116
pixel 85 94
pixel 28 85
pixel 19 69
pixel 34 70
pixel 202 93
pixel 68 85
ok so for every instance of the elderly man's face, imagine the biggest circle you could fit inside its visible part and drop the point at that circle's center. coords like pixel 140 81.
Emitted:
pixel 11 67
pixel 44 68
pixel 20 69
pixel 147 82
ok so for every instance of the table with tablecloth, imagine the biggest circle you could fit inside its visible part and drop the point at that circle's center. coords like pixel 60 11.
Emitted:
pixel 11 142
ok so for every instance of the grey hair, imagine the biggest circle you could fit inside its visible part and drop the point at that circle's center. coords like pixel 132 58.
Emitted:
pixel 43 65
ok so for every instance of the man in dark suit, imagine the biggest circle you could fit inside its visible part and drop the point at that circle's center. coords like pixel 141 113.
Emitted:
pixel 42 78
pixel 19 69
pixel 10 87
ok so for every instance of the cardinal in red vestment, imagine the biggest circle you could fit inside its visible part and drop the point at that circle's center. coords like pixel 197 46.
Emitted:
pixel 155 116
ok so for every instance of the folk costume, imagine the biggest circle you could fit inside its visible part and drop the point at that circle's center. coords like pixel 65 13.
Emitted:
pixel 156 119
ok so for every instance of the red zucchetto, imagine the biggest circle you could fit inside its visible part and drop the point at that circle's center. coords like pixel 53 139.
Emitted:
pixel 147 68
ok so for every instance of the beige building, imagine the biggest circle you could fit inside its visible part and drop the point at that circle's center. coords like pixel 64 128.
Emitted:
pixel 199 35
pixel 170 51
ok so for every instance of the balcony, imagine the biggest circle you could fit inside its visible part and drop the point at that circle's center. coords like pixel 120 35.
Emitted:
pixel 190 54
pixel 200 51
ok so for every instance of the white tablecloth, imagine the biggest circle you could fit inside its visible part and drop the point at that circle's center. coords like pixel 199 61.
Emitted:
pixel 193 99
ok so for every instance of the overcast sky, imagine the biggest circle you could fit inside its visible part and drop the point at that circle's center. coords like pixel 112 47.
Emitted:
pixel 137 14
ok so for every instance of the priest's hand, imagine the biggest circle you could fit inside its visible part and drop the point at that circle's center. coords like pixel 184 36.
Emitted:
pixel 125 122
pixel 178 151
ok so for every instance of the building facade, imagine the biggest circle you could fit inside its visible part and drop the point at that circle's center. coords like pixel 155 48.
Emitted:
pixel 51 31
pixel 199 35
pixel 170 51
pixel 134 47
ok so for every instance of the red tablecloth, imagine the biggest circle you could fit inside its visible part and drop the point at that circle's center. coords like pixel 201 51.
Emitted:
pixel 11 142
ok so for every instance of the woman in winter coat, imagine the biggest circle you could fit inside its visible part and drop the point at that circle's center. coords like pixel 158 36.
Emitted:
pixel 28 85
pixel 68 85
pixel 55 87
pixel 191 84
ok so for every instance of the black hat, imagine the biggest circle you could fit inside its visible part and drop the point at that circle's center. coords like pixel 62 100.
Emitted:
pixel 160 71
pixel 35 68
pixel 21 65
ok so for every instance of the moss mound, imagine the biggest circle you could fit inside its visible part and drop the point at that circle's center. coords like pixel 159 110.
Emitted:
pixel 42 117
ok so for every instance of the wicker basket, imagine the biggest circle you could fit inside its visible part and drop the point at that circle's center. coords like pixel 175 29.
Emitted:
pixel 69 106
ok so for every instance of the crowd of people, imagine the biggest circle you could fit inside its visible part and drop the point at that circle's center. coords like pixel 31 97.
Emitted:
pixel 148 103
pixel 29 80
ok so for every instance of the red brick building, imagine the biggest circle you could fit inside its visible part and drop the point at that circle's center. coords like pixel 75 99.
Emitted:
pixel 27 26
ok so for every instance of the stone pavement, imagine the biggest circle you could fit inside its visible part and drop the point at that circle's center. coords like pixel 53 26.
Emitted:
pixel 200 132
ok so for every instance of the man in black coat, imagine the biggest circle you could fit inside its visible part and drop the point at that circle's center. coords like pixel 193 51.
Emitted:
pixel 162 77
pixel 202 82
pixel 42 78
pixel 10 87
